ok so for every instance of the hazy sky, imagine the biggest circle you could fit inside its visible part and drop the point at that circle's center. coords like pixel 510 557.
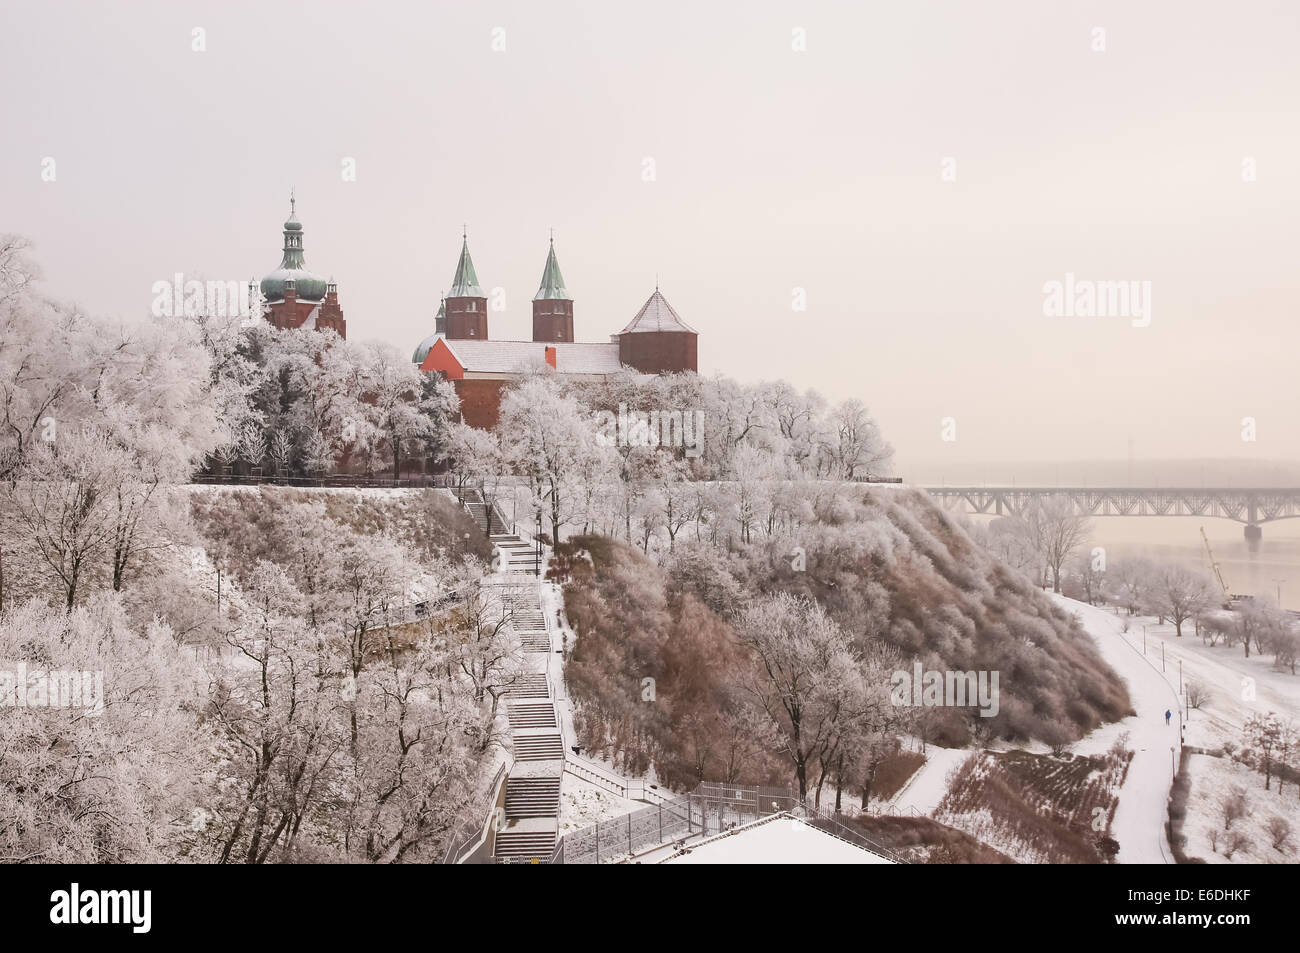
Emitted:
pixel 775 169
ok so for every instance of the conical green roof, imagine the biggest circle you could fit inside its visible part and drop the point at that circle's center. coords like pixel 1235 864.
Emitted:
pixel 465 283
pixel 552 287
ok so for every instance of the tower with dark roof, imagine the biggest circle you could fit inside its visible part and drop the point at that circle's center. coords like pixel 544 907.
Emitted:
pixel 657 340
pixel 466 304
pixel 552 306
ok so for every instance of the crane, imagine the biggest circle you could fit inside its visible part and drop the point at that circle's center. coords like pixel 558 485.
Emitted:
pixel 1214 564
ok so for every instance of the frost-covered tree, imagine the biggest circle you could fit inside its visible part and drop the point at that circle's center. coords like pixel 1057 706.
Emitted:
pixel 807 678
pixel 117 785
pixel 547 437
pixel 1180 594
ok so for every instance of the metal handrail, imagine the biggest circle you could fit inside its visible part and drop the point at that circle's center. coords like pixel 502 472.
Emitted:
pixel 456 853
pixel 857 838
pixel 634 789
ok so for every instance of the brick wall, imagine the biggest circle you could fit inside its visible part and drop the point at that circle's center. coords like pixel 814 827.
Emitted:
pixel 659 352
pixel 467 318
pixel 553 321
pixel 480 402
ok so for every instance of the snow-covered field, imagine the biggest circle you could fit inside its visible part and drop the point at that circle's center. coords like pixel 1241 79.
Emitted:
pixel 1155 677
pixel 1212 779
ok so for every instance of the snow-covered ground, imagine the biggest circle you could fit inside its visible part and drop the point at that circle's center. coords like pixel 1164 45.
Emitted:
pixel 1139 823
pixel 777 840
pixel 1212 779
pixel 1237 688
pixel 583 804
pixel 1224 672
pixel 927 786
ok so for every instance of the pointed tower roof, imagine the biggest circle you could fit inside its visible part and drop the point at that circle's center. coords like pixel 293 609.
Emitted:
pixel 465 282
pixel 552 287
pixel 657 315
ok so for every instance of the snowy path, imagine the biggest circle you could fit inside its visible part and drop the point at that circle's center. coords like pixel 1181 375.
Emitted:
pixel 926 788
pixel 1139 823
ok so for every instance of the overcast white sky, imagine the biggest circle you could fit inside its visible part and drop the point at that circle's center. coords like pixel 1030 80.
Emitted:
pixel 776 169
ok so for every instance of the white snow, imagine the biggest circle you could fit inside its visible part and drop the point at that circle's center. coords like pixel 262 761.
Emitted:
pixel 583 804
pixel 1212 778
pixel 782 839
pixel 927 786
pixel 1139 823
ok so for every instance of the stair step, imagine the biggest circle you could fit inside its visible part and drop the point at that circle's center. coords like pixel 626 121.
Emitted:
pixel 532 797
pixel 529 686
pixel 538 748
pixel 528 846
pixel 531 716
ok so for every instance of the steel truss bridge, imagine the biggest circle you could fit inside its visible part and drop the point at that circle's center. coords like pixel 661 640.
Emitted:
pixel 1249 506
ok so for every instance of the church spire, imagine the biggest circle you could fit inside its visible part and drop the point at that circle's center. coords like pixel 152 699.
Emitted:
pixel 552 305
pixel 465 282
pixel 465 303
pixel 552 287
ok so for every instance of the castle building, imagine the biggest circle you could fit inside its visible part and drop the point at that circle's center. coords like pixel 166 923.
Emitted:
pixel 295 297
pixel 655 341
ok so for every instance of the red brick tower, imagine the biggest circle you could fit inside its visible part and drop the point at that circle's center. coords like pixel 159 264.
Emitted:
pixel 552 306
pixel 466 304
pixel 657 341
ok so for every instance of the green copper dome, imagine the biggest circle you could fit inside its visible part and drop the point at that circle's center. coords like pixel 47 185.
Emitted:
pixel 439 330
pixel 293 267
pixel 423 348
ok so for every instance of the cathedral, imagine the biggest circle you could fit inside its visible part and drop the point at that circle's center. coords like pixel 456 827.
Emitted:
pixel 295 297
pixel 655 341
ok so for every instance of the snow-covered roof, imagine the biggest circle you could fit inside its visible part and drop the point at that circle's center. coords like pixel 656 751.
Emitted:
pixel 780 839
pixel 504 357
pixel 657 315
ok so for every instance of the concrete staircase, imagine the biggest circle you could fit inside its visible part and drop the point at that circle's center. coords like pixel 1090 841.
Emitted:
pixel 537 715
pixel 518 555
pixel 529 685
pixel 531 796
pixel 538 747
pixel 532 808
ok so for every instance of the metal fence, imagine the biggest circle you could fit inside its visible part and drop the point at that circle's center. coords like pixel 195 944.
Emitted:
pixel 710 809
pixel 329 480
